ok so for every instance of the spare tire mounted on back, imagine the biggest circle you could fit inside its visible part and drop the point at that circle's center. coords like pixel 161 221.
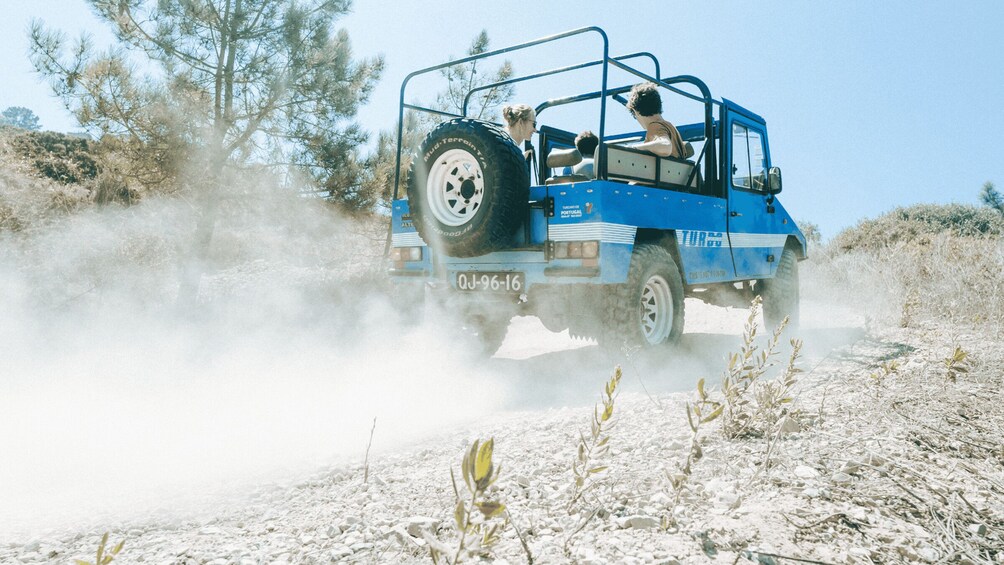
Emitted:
pixel 468 188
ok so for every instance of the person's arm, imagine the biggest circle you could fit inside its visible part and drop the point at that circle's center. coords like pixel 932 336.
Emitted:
pixel 660 146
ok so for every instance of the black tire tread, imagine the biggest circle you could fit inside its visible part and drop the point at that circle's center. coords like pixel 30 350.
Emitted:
pixel 620 324
pixel 505 210
pixel 781 294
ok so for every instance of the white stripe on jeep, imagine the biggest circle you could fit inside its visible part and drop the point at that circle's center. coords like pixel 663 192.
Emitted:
pixel 592 231
pixel 411 239
pixel 758 239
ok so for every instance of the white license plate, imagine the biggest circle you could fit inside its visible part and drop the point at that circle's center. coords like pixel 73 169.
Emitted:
pixel 490 282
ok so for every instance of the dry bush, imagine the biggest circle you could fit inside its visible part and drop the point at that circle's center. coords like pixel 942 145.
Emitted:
pixel 920 224
pixel 28 200
pixel 952 278
pixel 57 156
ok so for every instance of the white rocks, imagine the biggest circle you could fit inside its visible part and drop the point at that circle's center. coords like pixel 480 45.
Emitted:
pixel 676 446
pixel 841 478
pixel 638 522
pixel 415 525
pixel 790 425
pixel 729 500
pixel 978 529
pixel 805 472
pixel 928 553
pixel 850 467
pixel 339 551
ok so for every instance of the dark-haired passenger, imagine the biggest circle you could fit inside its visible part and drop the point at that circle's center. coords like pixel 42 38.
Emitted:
pixel 586 143
pixel 661 137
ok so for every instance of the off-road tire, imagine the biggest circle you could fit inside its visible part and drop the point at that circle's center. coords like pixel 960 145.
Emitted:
pixel 781 295
pixel 655 279
pixel 468 188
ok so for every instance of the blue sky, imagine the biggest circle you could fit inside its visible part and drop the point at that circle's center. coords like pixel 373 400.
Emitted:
pixel 869 105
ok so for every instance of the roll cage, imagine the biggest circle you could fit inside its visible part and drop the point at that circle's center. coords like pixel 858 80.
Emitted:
pixel 708 156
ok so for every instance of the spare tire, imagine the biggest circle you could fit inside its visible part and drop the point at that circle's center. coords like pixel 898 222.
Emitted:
pixel 468 188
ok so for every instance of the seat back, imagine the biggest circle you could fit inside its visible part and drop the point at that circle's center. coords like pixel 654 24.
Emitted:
pixel 633 165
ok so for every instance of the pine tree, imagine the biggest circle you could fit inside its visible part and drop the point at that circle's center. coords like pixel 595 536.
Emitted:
pixel 20 117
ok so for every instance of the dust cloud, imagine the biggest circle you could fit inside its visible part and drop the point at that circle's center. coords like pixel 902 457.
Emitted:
pixel 116 403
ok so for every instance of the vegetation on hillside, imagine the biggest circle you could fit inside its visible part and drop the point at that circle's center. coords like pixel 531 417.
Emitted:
pixel 918 224
pixel 921 262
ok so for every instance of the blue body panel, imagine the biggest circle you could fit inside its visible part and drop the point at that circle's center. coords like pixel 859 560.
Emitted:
pixel 615 214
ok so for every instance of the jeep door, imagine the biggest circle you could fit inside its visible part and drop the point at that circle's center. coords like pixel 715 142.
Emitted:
pixel 752 227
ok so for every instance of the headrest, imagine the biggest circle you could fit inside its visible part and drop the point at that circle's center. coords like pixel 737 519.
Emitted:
pixel 688 150
pixel 564 158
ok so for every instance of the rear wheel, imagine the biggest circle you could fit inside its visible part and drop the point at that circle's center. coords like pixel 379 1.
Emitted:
pixel 647 310
pixel 780 294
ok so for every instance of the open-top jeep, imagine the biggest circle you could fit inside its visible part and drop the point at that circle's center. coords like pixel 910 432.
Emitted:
pixel 611 257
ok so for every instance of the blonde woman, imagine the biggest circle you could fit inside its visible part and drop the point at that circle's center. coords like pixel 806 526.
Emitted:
pixel 520 122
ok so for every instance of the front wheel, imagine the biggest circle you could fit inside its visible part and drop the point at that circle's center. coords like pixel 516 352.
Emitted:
pixel 647 310
pixel 780 294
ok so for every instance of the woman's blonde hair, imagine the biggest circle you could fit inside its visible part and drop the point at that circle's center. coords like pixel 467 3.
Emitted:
pixel 515 113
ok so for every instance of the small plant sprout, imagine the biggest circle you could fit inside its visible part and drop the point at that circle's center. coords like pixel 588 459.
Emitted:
pixel 772 397
pixel 366 460
pixel 752 407
pixel 701 412
pixel 476 518
pixel 957 363
pixel 584 467
pixel 884 370
pixel 103 557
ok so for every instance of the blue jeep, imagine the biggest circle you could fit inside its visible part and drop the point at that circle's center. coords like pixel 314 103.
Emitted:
pixel 610 256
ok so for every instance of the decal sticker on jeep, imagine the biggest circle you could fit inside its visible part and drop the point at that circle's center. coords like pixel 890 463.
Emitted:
pixel 571 211
pixel 695 238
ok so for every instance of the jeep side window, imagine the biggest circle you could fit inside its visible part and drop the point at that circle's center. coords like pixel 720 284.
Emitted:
pixel 740 157
pixel 749 160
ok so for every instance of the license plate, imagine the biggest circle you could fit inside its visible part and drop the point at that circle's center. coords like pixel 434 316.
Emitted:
pixel 490 282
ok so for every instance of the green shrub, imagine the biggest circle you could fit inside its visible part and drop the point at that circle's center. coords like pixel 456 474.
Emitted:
pixel 919 223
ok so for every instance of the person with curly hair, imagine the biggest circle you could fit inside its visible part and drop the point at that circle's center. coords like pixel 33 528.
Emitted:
pixel 661 137
pixel 586 143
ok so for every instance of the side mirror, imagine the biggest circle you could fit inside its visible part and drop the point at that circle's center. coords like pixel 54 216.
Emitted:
pixel 774 180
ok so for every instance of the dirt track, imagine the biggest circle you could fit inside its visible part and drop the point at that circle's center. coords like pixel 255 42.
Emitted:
pixel 909 469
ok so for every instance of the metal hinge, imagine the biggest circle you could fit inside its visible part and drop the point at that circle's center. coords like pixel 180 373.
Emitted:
pixel 770 258
pixel 547 205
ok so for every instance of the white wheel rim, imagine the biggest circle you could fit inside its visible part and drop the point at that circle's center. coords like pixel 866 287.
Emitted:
pixel 656 310
pixel 456 188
